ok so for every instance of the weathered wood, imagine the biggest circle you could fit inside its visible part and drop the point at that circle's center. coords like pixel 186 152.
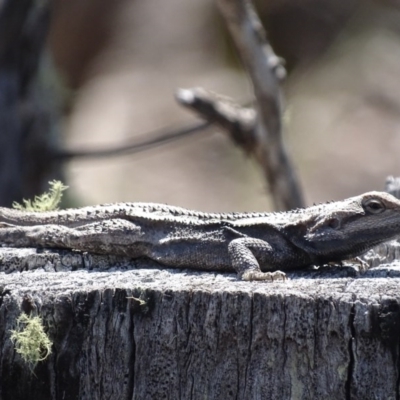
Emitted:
pixel 325 334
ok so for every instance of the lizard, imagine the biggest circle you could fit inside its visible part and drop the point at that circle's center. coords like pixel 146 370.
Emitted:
pixel 258 246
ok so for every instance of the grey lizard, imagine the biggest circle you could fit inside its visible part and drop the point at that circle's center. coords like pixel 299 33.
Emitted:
pixel 258 246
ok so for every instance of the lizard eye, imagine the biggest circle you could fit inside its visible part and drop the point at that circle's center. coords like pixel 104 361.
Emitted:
pixel 334 223
pixel 374 206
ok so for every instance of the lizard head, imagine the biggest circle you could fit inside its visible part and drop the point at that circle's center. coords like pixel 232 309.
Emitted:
pixel 352 226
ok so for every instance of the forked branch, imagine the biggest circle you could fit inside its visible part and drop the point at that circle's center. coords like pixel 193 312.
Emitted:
pixel 264 132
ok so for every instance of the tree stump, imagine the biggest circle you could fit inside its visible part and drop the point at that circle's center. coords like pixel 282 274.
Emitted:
pixel 133 330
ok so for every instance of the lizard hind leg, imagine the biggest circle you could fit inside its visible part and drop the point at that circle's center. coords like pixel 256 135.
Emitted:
pixel 116 236
pixel 241 252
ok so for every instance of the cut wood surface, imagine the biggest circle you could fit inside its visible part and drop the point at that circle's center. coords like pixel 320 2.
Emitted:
pixel 132 330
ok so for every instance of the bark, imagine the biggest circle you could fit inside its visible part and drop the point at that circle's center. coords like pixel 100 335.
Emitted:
pixel 128 330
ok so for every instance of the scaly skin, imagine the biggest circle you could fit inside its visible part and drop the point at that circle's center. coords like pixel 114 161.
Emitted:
pixel 256 245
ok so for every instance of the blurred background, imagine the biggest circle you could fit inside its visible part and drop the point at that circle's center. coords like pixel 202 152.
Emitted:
pixel 97 73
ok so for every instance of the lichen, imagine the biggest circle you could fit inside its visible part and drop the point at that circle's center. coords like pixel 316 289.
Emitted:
pixel 30 339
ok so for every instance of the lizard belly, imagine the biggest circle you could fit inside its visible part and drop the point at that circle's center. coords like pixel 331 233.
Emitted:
pixel 205 256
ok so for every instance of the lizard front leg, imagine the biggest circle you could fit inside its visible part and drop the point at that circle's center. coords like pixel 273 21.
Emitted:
pixel 243 251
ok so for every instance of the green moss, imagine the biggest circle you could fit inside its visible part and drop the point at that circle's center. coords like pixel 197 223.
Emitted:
pixel 30 339
pixel 46 202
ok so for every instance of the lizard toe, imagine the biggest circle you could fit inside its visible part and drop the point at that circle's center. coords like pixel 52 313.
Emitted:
pixel 264 276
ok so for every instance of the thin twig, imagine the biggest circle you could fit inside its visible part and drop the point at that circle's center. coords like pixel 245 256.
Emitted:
pixel 133 145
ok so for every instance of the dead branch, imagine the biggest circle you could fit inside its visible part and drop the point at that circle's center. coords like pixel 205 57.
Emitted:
pixel 266 72
pixel 239 122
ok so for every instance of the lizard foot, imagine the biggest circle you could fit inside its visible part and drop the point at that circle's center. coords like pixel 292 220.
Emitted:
pixel 362 265
pixel 264 276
